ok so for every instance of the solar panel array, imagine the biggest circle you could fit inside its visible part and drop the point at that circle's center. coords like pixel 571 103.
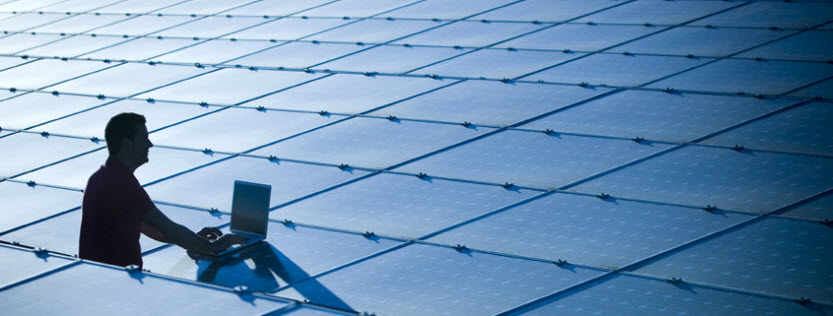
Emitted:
pixel 431 157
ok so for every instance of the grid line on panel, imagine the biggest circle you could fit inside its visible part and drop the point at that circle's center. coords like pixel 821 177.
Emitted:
pixel 67 17
pixel 635 265
pixel 40 275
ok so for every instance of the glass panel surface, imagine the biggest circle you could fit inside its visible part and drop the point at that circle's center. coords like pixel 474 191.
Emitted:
pixel 269 8
pixel 446 10
pixel 531 159
pixel 822 89
pixel 47 71
pixel 144 24
pixel 38 151
pixel 36 108
pixel 658 12
pixel 237 130
pixel 780 256
pixel 347 93
pixel 204 7
pixel 298 55
pixel 19 264
pixel 74 46
pixel 136 6
pixel 212 186
pixel 213 52
pixel 210 27
pixel 545 10
pixel 479 284
pixel 7 62
pixel 470 34
pixel 587 230
pixel 391 59
pixel 810 45
pixel 656 115
pixel 376 204
pixel 98 287
pixel 26 5
pixel 374 30
pixel 19 42
pixel 488 102
pixel 817 209
pixel 701 41
pixel 128 79
pixel 288 255
pixel 497 63
pixel 371 143
pixel 140 48
pixel 627 295
pixel 356 8
pixel 27 21
pixel 748 180
pixel 79 23
pixel 805 129
pixel 579 37
pixel 616 69
pixel 23 204
pixel 778 14
pixel 78 5
pixel 287 29
pixel 214 87
pixel 750 76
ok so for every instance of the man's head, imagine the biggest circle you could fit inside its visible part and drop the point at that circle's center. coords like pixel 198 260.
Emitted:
pixel 127 138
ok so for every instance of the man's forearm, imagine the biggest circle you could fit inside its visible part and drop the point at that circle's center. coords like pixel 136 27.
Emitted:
pixel 185 238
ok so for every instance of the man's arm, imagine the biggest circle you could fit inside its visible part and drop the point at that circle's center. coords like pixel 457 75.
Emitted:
pixel 184 237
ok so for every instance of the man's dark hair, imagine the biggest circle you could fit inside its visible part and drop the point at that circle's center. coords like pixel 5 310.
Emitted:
pixel 121 126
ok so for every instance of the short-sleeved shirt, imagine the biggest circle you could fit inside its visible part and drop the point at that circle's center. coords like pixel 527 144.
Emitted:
pixel 113 209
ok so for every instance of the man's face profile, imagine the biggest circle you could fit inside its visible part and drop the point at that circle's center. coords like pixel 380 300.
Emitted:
pixel 137 146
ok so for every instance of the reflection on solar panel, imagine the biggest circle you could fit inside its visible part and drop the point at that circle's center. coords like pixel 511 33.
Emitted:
pixel 431 156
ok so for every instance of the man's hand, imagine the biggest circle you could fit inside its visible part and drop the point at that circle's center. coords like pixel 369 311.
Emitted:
pixel 230 239
pixel 210 233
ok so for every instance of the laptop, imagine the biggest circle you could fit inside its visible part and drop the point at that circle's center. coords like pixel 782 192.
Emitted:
pixel 249 214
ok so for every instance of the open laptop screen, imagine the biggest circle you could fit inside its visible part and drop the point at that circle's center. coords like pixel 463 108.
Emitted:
pixel 250 207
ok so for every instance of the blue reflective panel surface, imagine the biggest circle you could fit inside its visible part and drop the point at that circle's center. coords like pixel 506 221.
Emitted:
pixel 140 48
pixel 376 204
pixel 136 6
pixel 314 311
pixel 50 71
pixel 7 62
pixel 810 45
pixel 238 129
pixel 657 12
pixel 750 76
pixel 371 142
pixel 627 295
pixel 212 186
pixel 269 8
pixel 26 5
pixel 805 129
pixel 817 209
pixel 445 9
pixel 349 93
pixel 20 42
pixel 497 63
pixel 588 230
pixel 23 204
pixel 391 59
pixel 374 30
pixel 488 102
pixel 246 85
pixel 26 21
pixel 822 89
pixel 467 33
pixel 581 37
pixel 617 69
pixel 778 14
pixel 38 150
pixel 298 55
pixel 287 29
pixel 355 8
pixel 128 79
pixel 700 41
pixel 73 46
pixel 748 180
pixel 656 115
pixel 779 256
pixel 79 23
pixel 288 255
pixel 545 10
pixel 95 285
pixel 144 24
pixel 203 7
pixel 77 5
pixel 17 112
pixel 531 159
pixel 210 27
pixel 478 283
pixel 216 51
pixel 19 264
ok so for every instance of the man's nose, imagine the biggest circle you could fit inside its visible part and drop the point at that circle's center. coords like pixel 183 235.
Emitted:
pixel 150 144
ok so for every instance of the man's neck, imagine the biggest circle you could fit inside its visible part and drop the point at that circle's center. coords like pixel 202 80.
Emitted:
pixel 131 166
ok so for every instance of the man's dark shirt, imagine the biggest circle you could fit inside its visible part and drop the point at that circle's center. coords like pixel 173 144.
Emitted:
pixel 112 213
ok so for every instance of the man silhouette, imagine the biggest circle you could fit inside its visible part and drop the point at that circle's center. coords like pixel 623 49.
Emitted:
pixel 116 209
